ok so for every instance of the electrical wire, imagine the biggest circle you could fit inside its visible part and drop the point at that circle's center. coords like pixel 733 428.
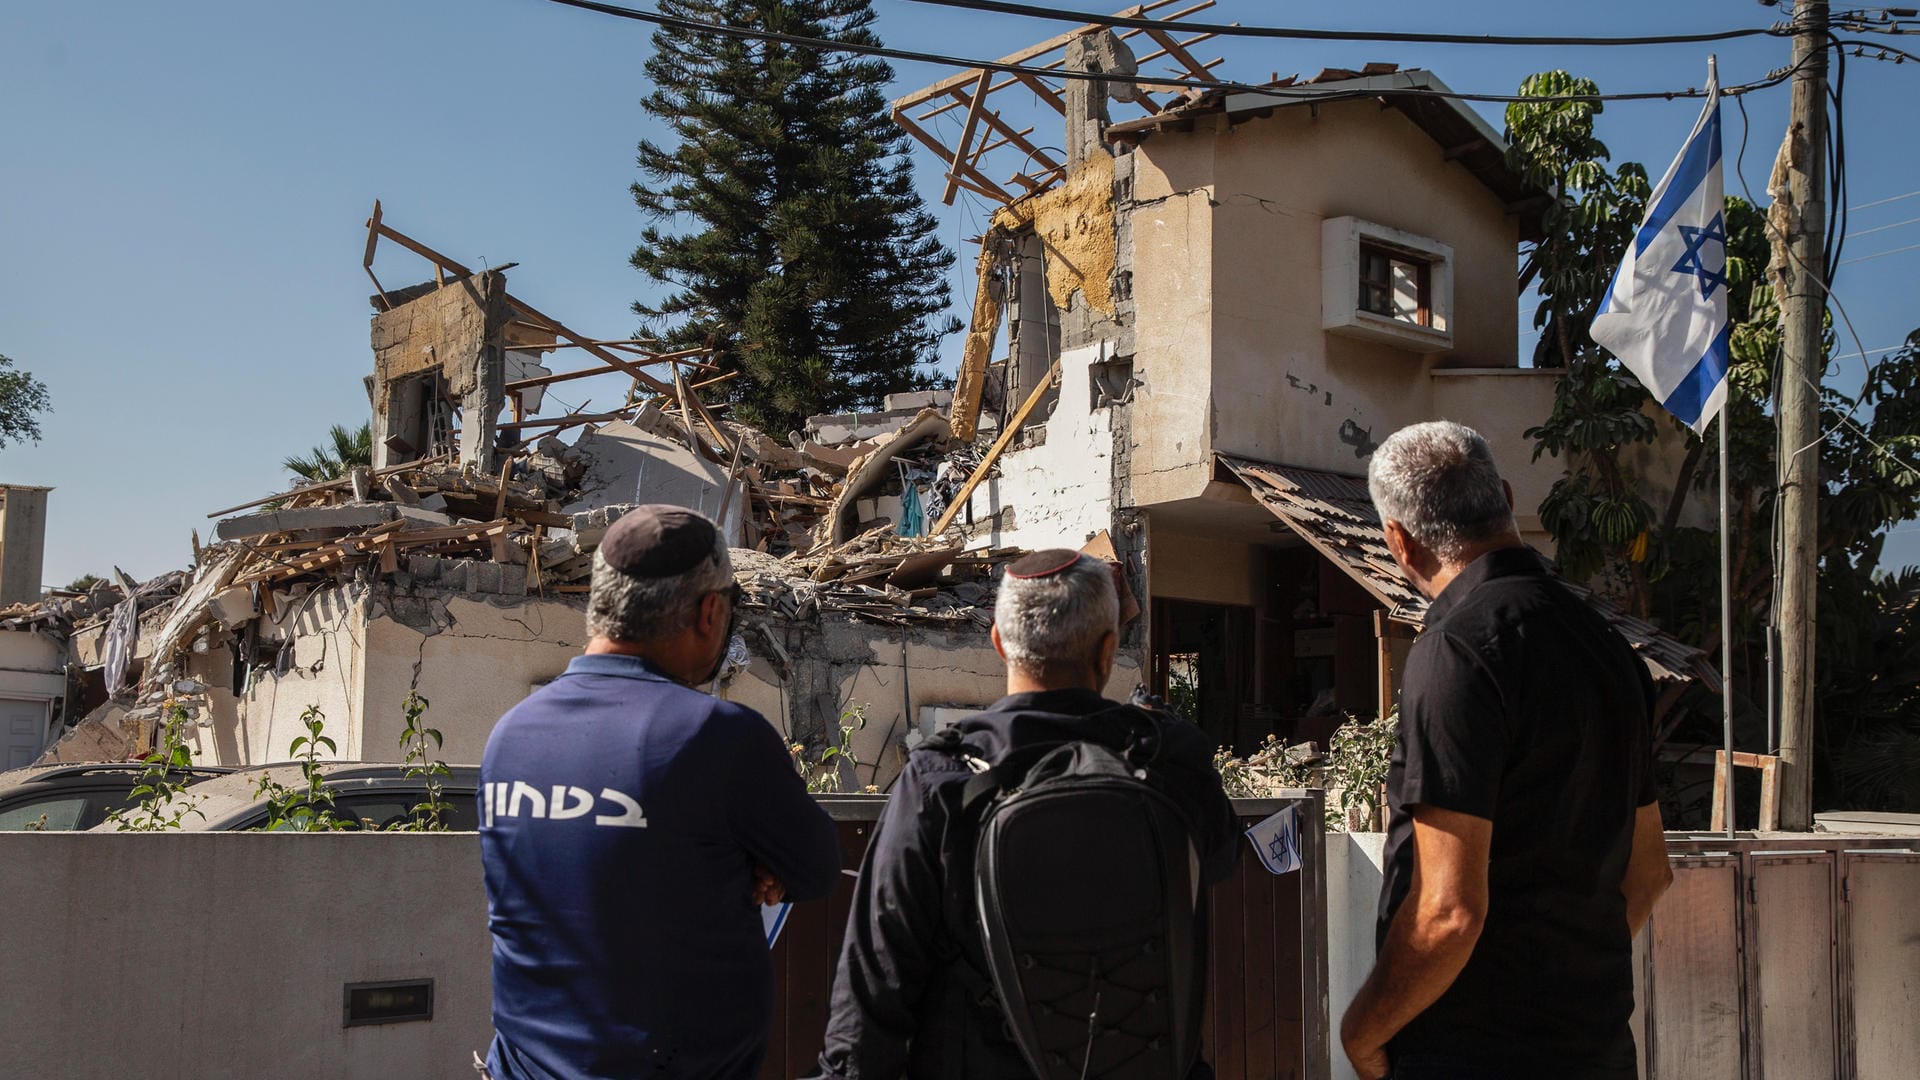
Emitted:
pixel 1883 202
pixel 1292 93
pixel 1036 11
pixel 1884 228
pixel 1900 55
pixel 1882 254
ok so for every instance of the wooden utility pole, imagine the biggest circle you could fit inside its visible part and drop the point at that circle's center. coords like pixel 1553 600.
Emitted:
pixel 1803 360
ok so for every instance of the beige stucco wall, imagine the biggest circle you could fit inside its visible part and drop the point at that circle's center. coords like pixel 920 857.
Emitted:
pixel 1175 296
pixel 1501 404
pixel 892 674
pixel 328 669
pixel 1184 566
pixel 120 986
pixel 1227 292
pixel 483 660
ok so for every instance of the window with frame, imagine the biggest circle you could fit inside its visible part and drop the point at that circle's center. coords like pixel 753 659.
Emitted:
pixel 1396 284
pixel 1386 285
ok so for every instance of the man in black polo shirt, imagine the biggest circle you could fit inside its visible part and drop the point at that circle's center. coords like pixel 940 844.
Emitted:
pixel 1525 846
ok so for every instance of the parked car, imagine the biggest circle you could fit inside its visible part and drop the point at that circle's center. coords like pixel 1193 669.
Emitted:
pixel 62 798
pixel 374 795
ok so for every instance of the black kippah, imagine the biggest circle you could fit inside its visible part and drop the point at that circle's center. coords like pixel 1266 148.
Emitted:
pixel 658 540
pixel 1042 563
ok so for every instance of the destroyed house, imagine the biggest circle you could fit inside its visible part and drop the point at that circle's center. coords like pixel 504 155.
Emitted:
pixel 1202 322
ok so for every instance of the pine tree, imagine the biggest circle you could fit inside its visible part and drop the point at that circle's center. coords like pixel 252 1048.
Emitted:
pixel 785 221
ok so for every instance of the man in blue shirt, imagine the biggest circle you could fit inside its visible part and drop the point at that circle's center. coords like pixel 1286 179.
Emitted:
pixel 629 824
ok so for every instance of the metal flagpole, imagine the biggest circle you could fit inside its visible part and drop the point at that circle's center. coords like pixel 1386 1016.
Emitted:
pixel 1726 617
pixel 1726 572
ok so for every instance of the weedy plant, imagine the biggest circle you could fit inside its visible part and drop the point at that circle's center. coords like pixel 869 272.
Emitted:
pixel 423 763
pixel 308 806
pixel 1352 772
pixel 163 802
pixel 823 774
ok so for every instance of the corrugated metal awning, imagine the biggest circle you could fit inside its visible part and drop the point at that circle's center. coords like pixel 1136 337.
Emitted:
pixel 1335 515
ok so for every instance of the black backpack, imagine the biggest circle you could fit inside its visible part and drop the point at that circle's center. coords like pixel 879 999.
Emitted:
pixel 1086 891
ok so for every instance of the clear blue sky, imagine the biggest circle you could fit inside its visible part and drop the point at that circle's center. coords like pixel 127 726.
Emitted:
pixel 185 186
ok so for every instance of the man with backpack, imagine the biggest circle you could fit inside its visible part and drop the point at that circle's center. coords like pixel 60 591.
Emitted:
pixel 1033 901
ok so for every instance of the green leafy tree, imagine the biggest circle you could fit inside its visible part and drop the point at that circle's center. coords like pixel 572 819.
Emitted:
pixel 22 399
pixel 343 450
pixel 86 583
pixel 783 217
pixel 1602 522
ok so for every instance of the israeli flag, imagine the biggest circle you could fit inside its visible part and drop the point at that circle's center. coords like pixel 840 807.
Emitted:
pixel 773 919
pixel 1665 315
pixel 1277 841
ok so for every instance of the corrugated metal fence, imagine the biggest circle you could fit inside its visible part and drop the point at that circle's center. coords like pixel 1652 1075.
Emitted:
pixel 1784 958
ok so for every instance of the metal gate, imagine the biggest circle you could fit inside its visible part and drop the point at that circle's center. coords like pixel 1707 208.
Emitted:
pixel 1783 958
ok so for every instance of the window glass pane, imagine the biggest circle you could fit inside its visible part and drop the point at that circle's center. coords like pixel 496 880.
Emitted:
pixel 1406 291
pixel 61 814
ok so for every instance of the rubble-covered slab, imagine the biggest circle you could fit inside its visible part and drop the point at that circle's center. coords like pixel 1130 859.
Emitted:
pixel 627 465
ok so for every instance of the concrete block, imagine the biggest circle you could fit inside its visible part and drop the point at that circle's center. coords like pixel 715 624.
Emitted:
pixel 233 606
pixel 513 580
pixel 417 518
pixel 918 399
pixel 484 577
pixel 349 516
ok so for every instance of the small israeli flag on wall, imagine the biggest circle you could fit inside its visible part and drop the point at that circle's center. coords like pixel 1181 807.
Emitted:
pixel 1277 841
pixel 773 919
pixel 1665 315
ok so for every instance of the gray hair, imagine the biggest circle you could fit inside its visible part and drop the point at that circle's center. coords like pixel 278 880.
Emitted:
pixel 1058 619
pixel 628 608
pixel 1438 480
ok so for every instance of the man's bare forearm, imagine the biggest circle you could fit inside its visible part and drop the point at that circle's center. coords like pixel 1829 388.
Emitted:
pixel 1424 952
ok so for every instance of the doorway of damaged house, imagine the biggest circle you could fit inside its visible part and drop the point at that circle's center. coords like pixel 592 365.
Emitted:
pixel 1254 631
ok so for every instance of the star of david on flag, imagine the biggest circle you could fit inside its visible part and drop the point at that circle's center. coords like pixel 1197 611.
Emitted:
pixel 1665 314
pixel 1277 841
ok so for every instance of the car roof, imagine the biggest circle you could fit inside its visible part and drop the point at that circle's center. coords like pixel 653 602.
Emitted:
pixel 224 801
pixel 34 776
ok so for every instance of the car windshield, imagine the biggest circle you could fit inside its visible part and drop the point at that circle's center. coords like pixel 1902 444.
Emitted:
pixel 54 814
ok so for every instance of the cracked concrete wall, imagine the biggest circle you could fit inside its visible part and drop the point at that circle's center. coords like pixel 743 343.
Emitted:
pixel 327 668
pixel 471 659
pixel 823 668
pixel 1173 295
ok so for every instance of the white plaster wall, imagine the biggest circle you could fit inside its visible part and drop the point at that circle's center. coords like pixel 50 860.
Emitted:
pixel 485 661
pixel 1354 861
pixel 120 987
pixel 32 665
pixel 328 669
pixel 1061 492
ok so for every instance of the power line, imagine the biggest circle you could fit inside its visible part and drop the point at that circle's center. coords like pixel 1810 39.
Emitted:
pixel 1899 55
pixel 1294 33
pixel 1881 254
pixel 1883 202
pixel 1292 93
pixel 1884 228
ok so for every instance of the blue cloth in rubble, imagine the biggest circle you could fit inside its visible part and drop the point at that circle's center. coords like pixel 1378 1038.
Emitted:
pixel 621 818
